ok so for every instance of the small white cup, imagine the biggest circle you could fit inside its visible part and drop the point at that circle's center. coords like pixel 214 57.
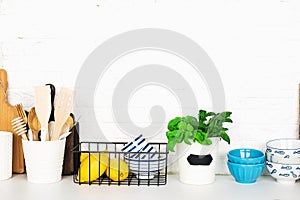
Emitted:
pixel 44 160
pixel 6 139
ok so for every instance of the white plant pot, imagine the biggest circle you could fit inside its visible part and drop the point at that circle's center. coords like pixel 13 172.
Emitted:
pixel 197 174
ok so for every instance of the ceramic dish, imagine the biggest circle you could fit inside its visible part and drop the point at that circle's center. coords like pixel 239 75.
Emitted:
pixel 143 159
pixel 138 144
pixel 146 168
pixel 284 173
pixel 246 156
pixel 245 174
pixel 285 151
pixel 282 160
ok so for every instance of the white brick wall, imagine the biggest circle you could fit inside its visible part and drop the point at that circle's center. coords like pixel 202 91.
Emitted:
pixel 255 46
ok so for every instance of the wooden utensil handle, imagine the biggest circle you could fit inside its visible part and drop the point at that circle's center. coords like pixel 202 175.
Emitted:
pixel 35 135
pixel 52 88
pixel 56 132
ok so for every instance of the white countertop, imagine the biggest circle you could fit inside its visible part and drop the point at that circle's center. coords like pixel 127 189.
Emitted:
pixel 18 188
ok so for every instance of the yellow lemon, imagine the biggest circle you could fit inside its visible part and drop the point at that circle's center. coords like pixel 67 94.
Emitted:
pixel 93 168
pixel 118 170
pixel 83 156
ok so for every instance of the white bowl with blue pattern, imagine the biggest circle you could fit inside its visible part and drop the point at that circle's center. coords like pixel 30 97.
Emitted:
pixel 284 151
pixel 143 159
pixel 284 173
pixel 146 168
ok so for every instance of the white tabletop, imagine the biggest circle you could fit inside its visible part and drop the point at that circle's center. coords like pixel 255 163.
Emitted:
pixel 18 188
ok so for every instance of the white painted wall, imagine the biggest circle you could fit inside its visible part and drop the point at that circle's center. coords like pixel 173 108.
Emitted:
pixel 255 46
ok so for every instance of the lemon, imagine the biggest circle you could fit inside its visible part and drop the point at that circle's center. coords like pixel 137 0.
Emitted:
pixel 93 168
pixel 83 156
pixel 118 169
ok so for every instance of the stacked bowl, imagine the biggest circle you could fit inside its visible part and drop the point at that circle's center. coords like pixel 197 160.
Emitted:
pixel 245 164
pixel 144 159
pixel 283 159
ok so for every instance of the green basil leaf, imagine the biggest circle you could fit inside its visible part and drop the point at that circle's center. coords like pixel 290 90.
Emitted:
pixel 228 120
pixel 225 137
pixel 202 114
pixel 192 121
pixel 187 138
pixel 182 125
pixel 180 136
pixel 171 145
pixel 210 114
pixel 227 114
pixel 189 127
pixel 172 125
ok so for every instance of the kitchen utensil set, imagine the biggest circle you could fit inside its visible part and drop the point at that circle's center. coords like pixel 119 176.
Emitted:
pixel 40 118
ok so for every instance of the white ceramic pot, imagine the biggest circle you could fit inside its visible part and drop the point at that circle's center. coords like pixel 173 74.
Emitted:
pixel 197 174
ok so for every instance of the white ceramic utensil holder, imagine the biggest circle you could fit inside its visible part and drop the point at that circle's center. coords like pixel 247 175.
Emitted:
pixel 44 160
pixel 6 139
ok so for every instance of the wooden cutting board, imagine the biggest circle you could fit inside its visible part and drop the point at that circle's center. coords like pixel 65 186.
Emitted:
pixel 8 113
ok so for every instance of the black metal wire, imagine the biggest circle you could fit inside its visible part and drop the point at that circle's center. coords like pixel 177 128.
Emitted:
pixel 113 151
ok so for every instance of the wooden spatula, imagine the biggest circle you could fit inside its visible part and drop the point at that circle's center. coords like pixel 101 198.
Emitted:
pixel 62 110
pixel 43 109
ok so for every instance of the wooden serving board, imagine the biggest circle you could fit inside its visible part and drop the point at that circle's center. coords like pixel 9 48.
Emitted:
pixel 8 113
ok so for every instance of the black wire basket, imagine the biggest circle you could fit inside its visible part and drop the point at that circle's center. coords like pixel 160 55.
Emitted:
pixel 104 163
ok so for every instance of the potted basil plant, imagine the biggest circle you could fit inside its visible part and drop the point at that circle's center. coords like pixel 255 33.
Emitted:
pixel 196 140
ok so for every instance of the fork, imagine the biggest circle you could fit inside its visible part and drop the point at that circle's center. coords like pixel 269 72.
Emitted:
pixel 19 123
pixel 21 112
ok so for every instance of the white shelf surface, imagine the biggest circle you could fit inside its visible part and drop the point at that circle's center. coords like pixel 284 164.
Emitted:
pixel 266 188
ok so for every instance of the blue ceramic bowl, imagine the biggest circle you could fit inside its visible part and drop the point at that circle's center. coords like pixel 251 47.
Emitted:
pixel 246 156
pixel 245 173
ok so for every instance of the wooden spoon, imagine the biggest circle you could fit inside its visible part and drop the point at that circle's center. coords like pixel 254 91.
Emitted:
pixel 34 124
